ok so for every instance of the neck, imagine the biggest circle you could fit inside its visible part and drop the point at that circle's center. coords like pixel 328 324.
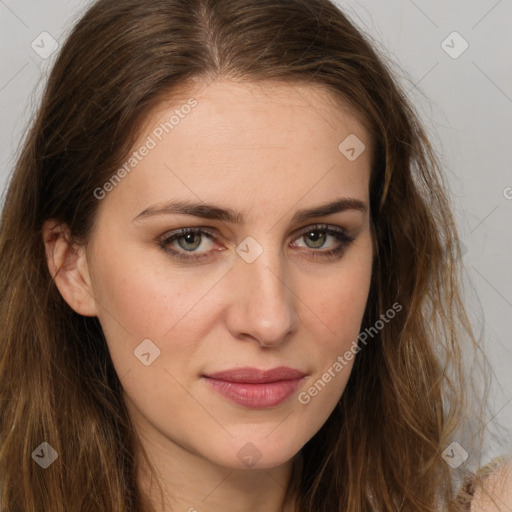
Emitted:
pixel 184 481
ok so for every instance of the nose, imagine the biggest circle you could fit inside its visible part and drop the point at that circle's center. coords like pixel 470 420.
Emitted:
pixel 262 300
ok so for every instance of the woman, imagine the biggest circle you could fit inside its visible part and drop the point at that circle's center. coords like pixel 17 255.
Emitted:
pixel 184 330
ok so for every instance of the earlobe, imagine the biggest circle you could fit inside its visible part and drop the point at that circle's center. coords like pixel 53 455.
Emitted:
pixel 69 269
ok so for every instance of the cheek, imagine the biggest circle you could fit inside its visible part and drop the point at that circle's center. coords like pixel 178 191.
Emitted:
pixel 140 299
pixel 133 303
pixel 333 350
pixel 131 289
pixel 342 301
pixel 340 308
pixel 129 299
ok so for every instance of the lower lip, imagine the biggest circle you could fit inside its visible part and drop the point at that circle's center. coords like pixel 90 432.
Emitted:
pixel 255 396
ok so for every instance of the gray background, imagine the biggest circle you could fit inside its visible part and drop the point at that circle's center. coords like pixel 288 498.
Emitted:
pixel 466 104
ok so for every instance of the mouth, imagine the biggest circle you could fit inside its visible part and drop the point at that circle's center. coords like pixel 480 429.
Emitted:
pixel 256 388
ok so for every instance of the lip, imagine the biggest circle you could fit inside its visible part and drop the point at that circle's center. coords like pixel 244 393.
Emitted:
pixel 256 388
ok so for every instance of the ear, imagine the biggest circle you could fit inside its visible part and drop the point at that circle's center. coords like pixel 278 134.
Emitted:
pixel 69 268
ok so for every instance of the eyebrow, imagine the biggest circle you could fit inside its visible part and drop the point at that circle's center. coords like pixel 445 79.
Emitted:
pixel 210 211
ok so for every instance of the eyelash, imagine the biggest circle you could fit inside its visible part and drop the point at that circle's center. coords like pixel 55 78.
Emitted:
pixel 339 234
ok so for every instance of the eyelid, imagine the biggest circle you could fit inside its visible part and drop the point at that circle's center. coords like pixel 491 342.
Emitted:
pixel 168 237
pixel 340 234
pixel 213 233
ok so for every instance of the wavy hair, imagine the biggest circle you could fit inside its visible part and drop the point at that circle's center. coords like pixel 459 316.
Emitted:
pixel 409 395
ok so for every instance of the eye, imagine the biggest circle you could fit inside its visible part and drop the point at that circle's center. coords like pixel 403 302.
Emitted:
pixel 185 244
pixel 188 240
pixel 316 237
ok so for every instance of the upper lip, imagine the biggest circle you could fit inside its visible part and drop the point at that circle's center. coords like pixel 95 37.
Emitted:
pixel 255 375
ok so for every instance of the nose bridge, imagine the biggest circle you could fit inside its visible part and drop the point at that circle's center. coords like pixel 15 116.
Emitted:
pixel 265 304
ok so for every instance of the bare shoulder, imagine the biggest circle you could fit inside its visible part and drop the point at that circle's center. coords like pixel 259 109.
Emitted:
pixel 495 492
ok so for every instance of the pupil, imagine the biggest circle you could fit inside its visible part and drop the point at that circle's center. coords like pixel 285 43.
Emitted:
pixel 187 240
pixel 315 236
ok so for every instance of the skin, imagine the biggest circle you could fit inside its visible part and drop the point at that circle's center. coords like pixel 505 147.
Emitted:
pixel 240 148
pixel 496 495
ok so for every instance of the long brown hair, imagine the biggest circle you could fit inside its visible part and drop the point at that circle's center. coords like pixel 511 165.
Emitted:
pixel 409 393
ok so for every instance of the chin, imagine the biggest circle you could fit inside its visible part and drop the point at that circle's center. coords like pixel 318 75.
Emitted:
pixel 262 451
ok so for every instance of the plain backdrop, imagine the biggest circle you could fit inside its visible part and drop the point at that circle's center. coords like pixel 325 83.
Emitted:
pixel 455 58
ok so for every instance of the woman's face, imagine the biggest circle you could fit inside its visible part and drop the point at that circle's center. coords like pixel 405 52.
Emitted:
pixel 228 340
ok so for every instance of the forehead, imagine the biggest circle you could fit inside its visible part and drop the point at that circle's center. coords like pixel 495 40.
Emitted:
pixel 244 106
pixel 252 141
